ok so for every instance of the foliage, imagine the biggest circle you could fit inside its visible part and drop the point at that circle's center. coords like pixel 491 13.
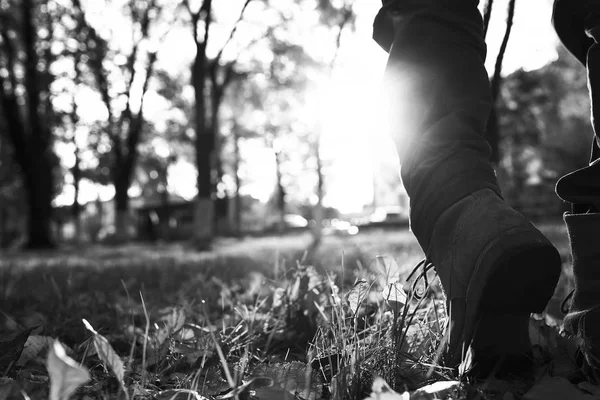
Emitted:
pixel 544 117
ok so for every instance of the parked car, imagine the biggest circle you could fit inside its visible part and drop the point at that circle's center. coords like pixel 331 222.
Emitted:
pixel 290 221
pixel 389 214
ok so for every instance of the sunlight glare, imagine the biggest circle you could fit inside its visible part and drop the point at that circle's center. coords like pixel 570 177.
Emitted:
pixel 181 178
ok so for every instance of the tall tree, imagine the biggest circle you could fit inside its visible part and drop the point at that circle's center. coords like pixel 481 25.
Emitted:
pixel 208 74
pixel 27 28
pixel 124 126
pixel 76 169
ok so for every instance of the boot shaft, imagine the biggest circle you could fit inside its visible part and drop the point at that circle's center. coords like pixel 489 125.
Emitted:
pixel 584 237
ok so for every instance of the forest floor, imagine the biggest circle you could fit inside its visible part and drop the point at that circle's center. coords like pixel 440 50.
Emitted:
pixel 255 318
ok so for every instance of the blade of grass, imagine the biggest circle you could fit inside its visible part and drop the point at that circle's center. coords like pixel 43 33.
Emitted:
pixel 211 328
pixel 145 345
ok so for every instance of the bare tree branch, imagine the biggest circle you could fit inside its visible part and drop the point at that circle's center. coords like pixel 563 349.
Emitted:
pixel 266 33
pixel 136 126
pixel 195 16
pixel 207 10
pixel 74 117
pixel 346 17
pixel 96 53
pixel 492 132
pixel 233 30
pixel 496 79
pixel 132 60
pixel 487 15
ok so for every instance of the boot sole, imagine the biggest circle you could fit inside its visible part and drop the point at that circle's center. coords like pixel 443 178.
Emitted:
pixel 519 282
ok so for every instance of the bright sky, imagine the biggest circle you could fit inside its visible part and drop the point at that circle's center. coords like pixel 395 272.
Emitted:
pixel 352 143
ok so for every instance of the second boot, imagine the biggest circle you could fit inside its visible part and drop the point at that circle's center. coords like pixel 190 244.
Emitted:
pixel 583 318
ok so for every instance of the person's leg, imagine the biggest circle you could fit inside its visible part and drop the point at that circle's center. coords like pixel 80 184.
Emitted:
pixel 578 26
pixel 493 264
pixel 439 98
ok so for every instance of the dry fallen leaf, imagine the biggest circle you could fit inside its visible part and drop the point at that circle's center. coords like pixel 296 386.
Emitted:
pixel 35 345
pixel 290 380
pixel 171 322
pixel 437 390
pixel 107 354
pixel 382 391
pixel 11 347
pixel 395 296
pixel 357 295
pixel 66 375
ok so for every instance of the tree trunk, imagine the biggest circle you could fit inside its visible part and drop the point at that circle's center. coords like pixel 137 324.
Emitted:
pixel 36 168
pixel 204 210
pixel 121 208
pixel 76 171
pixel 76 207
pixel 39 196
pixel 100 209
pixel 318 209
pixel 237 202
pixel 30 136
pixel 487 15
pixel 280 193
pixel 204 213
pixel 165 219
pixel 216 161
pixel 2 226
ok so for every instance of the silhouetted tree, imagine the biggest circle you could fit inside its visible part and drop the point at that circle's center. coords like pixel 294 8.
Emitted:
pixel 27 28
pixel 123 128
pixel 208 74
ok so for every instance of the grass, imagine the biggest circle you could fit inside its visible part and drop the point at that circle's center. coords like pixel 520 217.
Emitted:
pixel 254 317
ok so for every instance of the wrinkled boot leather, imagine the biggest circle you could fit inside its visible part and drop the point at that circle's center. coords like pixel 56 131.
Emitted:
pixel 496 268
pixel 583 319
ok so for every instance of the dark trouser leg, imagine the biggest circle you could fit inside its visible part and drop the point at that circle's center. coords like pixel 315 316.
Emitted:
pixel 578 25
pixel 439 101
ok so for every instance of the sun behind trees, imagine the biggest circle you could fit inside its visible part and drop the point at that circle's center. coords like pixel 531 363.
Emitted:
pixel 158 119
pixel 75 94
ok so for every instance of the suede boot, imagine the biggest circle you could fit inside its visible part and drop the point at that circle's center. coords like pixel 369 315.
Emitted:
pixel 583 319
pixel 496 268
